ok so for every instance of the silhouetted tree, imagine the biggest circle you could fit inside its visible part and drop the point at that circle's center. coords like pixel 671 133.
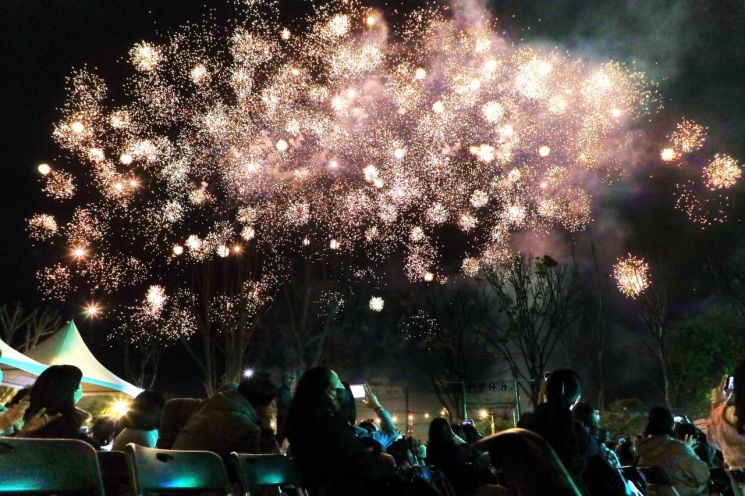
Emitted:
pixel 447 330
pixel 538 301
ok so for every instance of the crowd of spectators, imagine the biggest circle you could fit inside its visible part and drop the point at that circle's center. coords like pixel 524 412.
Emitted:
pixel 317 426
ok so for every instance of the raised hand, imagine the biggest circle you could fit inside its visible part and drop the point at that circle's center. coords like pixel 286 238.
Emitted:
pixel 39 420
pixel 370 399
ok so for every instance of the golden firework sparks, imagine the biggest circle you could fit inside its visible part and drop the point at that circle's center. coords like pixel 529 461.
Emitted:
pixel 632 276
pixel 722 172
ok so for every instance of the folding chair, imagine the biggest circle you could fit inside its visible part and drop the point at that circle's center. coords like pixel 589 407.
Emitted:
pixel 266 471
pixel 632 475
pixel 45 466
pixel 114 472
pixel 528 464
pixel 160 471
pixel 657 481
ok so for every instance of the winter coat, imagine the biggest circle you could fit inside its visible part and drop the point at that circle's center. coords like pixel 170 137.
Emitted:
pixel 688 473
pixel 176 414
pixel 574 445
pixel 225 422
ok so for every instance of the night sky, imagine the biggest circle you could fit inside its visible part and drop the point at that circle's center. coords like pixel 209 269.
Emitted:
pixel 695 49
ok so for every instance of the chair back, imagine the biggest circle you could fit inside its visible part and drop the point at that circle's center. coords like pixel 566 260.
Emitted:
pixel 631 474
pixel 155 470
pixel 263 471
pixel 528 463
pixel 657 481
pixel 115 472
pixel 44 466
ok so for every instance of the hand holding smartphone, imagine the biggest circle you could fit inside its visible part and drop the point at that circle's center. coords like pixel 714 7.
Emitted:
pixel 358 390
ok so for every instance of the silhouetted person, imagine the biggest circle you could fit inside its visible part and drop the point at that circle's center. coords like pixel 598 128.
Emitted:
pixel 284 400
pixel 141 422
pixel 332 460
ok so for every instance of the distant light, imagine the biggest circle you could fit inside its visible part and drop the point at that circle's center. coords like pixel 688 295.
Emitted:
pixel 282 145
pixel 371 20
pixel 44 169
pixel 92 310
pixel 306 242
pixel 376 304
pixel 77 127
pixel 483 413
pixel 248 373
pixel 334 244
pixel 178 250
pixel 429 277
pixel 667 154
pixel 120 407
pixel 125 158
pixel 420 73
pixel 237 249
pixel 394 419
pixel 79 252
pixel 285 34
pixel 426 415
pixel 544 151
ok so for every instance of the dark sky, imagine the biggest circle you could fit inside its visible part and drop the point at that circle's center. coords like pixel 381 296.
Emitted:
pixel 695 49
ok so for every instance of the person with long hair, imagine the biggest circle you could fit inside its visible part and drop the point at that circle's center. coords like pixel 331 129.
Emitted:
pixel 332 460
pixel 53 398
pixel 726 430
pixel 553 421
pixel 141 422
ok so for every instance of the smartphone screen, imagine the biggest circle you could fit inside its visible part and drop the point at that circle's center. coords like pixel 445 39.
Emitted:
pixel 731 383
pixel 678 418
pixel 358 390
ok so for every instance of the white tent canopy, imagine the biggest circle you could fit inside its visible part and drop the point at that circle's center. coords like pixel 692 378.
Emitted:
pixel 66 347
pixel 19 370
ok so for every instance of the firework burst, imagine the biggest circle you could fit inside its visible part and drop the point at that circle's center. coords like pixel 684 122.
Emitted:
pixel 722 172
pixel 632 276
pixel 333 143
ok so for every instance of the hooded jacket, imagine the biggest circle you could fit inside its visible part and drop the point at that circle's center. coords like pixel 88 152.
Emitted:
pixel 688 473
pixel 225 422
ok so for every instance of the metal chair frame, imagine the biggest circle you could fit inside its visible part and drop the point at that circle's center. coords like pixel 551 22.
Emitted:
pixel 155 470
pixel 45 466
pixel 266 471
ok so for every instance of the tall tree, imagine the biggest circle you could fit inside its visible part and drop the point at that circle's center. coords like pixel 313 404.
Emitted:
pixel 701 349
pixel 584 344
pixel 23 329
pixel 446 328
pixel 310 310
pixel 653 314
pixel 229 298
pixel 537 304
